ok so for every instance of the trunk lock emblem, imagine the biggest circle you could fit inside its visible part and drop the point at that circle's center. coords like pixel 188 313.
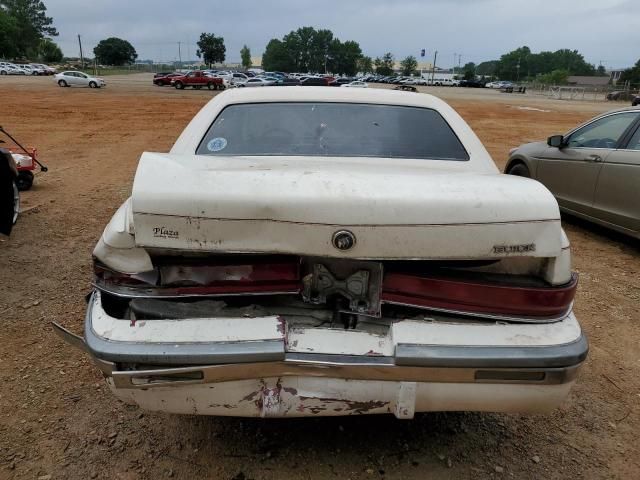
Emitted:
pixel 343 240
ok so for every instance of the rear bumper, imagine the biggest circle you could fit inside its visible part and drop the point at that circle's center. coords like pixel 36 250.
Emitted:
pixel 263 377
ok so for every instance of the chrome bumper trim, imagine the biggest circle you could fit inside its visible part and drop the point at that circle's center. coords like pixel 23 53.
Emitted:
pixel 171 377
pixel 318 365
pixel 551 356
pixel 78 342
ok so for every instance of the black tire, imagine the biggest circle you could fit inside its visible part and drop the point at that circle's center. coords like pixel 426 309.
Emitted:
pixel 16 203
pixel 93 84
pixel 62 83
pixel 2 72
pixel 221 87
pixel 210 85
pixel 179 86
pixel 519 170
pixel 24 181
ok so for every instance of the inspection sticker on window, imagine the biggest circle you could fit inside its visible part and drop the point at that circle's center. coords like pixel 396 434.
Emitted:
pixel 217 144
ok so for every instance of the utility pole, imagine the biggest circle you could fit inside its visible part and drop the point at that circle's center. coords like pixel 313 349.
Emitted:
pixel 179 55
pixel 81 56
pixel 433 68
pixel 454 63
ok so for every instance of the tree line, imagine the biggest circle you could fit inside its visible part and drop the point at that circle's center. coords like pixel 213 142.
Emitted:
pixel 309 50
pixel 25 31
pixel 522 64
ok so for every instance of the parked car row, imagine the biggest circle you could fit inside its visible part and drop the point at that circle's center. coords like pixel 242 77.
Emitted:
pixel 215 79
pixel 436 80
pixel 8 68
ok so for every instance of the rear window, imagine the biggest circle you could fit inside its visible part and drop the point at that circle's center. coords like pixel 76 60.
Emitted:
pixel 332 129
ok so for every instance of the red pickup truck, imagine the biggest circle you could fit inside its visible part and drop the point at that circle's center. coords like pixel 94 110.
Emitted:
pixel 197 79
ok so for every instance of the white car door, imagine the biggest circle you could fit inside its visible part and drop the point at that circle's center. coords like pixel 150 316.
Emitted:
pixel 70 78
pixel 82 78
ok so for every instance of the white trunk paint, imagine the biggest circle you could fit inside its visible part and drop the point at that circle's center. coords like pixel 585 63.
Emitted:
pixel 296 205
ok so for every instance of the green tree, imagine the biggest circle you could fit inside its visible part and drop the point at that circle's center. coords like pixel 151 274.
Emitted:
pixel 601 71
pixel 49 51
pixel 309 50
pixel 344 57
pixel 365 64
pixel 522 63
pixel 409 65
pixel 573 62
pixel 469 70
pixel 513 64
pixel 556 77
pixel 30 24
pixel 384 65
pixel 211 49
pixel 320 50
pixel 8 35
pixel 115 51
pixel 245 55
pixel 276 57
pixel 487 68
pixel 631 75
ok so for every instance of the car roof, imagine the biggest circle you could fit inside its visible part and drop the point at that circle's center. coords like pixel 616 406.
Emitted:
pixel 625 109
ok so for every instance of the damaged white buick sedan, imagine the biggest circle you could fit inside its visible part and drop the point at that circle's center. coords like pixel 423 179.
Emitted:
pixel 331 251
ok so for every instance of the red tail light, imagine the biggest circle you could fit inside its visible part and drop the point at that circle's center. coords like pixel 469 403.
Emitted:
pixel 278 276
pixel 471 297
pixel 232 279
pixel 239 275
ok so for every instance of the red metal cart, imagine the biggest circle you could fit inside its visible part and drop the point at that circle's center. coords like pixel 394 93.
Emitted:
pixel 26 159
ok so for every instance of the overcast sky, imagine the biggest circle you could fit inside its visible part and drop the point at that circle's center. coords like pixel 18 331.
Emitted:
pixel 606 31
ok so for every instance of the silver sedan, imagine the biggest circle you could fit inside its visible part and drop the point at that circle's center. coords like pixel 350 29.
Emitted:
pixel 256 82
pixel 592 170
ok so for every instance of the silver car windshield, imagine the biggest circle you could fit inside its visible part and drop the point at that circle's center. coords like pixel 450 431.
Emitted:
pixel 332 129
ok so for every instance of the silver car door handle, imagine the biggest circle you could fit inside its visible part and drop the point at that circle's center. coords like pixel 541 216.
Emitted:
pixel 593 158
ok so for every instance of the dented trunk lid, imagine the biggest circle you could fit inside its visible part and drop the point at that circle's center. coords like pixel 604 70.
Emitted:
pixel 296 205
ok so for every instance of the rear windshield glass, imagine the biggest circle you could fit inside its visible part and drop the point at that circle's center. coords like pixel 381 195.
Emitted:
pixel 332 129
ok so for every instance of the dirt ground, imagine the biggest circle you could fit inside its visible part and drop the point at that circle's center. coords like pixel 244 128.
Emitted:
pixel 58 419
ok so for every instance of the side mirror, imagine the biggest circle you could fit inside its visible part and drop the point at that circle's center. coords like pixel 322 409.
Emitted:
pixel 556 141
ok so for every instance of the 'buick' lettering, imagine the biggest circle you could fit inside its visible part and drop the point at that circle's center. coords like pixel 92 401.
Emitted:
pixel 507 249
pixel 162 232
